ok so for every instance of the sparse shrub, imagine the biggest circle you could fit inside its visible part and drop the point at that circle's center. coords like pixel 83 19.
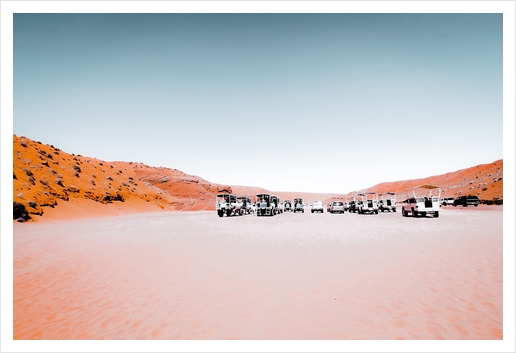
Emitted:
pixel 59 182
pixel 32 204
pixel 76 174
pixel 77 168
pixel 14 176
pixel 43 181
pixel 28 172
pixel 109 178
pixel 20 212
pixel 23 143
pixel 91 181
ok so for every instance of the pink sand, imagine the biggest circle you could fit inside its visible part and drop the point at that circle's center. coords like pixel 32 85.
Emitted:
pixel 193 275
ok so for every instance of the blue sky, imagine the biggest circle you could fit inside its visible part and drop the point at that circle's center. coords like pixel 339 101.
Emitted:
pixel 289 102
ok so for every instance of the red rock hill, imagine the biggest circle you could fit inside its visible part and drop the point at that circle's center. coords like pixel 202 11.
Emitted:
pixel 45 177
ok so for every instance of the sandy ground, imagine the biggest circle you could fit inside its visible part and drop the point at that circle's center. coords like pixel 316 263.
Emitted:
pixel 195 276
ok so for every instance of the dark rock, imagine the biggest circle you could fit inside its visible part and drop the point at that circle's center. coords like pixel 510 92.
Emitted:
pixel 20 213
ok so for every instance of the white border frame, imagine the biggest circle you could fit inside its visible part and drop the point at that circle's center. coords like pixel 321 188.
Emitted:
pixel 8 8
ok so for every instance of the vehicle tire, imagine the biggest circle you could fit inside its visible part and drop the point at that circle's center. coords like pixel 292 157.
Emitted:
pixel 228 213
pixel 414 213
pixel 476 205
pixel 220 213
pixel 376 212
pixel 436 214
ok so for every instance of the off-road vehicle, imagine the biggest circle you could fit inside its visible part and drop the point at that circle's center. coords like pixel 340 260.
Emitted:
pixel 299 206
pixel 368 203
pixel 276 204
pixel 447 201
pixel 227 204
pixel 466 201
pixel 264 205
pixel 317 206
pixel 337 207
pixel 247 204
pixel 387 202
pixel 287 206
pixel 421 201
pixel 353 204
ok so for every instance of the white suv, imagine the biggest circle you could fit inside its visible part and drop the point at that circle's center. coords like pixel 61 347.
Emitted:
pixel 337 206
pixel 317 206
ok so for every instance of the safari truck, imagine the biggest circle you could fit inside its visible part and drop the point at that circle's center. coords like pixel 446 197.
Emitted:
pixel 352 204
pixel 368 203
pixel 276 205
pixel 299 205
pixel 421 201
pixel 387 202
pixel 264 205
pixel 247 204
pixel 227 204
pixel 287 206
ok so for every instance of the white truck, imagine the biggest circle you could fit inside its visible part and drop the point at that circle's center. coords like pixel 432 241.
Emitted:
pixel 247 204
pixel 387 202
pixel 368 203
pixel 264 205
pixel 299 205
pixel 227 204
pixel 317 206
pixel 421 201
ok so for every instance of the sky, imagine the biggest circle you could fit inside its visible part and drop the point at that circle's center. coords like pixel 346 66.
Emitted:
pixel 329 103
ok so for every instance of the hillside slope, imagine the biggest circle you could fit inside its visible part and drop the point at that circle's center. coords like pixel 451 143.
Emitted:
pixel 484 181
pixel 45 177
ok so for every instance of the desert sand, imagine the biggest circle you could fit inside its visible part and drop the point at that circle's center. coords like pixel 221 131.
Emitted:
pixel 195 276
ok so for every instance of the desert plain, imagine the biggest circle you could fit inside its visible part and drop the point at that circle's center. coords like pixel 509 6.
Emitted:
pixel 194 276
pixel 124 251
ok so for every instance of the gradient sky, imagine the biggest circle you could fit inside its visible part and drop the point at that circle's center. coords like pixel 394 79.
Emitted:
pixel 288 102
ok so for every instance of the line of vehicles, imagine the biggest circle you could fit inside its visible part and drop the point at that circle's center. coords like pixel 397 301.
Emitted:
pixel 420 201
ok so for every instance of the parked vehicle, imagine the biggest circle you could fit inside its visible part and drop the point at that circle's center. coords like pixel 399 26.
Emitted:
pixel 264 206
pixel 299 205
pixel 276 205
pixel 247 204
pixel 368 203
pixel 353 204
pixel 447 201
pixel 387 202
pixel 317 206
pixel 466 201
pixel 287 206
pixel 227 204
pixel 337 206
pixel 421 201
